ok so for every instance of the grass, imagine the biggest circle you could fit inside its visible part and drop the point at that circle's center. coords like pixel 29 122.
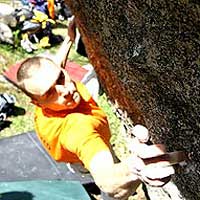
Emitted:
pixel 20 122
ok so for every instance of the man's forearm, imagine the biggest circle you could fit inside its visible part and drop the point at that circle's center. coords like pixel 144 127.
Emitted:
pixel 115 179
pixel 62 54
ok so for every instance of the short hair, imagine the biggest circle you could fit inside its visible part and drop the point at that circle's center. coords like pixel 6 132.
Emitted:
pixel 27 69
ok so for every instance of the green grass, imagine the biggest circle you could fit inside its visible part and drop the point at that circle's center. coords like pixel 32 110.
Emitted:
pixel 20 122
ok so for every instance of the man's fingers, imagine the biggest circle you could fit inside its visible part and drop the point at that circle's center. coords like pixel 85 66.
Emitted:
pixel 141 133
pixel 157 172
pixel 159 169
pixel 156 182
pixel 149 151
pixel 171 158
pixel 156 176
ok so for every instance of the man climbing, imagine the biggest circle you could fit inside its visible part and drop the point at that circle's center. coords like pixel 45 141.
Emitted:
pixel 73 128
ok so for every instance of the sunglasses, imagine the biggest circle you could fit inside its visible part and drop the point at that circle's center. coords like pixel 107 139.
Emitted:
pixel 59 81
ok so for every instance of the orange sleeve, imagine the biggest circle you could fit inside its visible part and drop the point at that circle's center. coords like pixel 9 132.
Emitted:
pixel 86 136
pixel 78 135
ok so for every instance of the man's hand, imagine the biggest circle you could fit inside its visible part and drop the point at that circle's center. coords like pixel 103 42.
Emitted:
pixel 147 163
pixel 152 163
pixel 118 180
pixel 72 29
pixel 62 54
pixel 114 179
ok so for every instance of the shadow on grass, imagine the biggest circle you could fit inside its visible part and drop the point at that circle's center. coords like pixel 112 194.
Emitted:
pixel 4 124
pixel 18 111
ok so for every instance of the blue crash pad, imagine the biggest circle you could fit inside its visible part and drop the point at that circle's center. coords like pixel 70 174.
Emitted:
pixel 23 158
pixel 42 190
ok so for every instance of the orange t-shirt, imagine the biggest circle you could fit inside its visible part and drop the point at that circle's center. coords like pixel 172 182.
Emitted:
pixel 74 135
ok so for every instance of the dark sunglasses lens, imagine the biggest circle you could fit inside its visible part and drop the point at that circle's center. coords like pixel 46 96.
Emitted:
pixel 61 78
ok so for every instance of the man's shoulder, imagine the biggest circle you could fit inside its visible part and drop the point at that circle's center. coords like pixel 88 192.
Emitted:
pixel 83 91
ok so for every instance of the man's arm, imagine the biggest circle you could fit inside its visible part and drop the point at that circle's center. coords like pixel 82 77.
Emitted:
pixel 149 163
pixel 62 54
pixel 115 179
pixel 72 29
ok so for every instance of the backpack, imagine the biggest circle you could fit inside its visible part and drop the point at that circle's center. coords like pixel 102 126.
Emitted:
pixel 6 105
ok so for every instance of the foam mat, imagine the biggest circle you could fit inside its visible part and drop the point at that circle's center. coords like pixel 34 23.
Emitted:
pixel 23 158
pixel 42 190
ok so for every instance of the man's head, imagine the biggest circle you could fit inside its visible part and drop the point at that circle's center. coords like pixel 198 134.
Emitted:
pixel 48 85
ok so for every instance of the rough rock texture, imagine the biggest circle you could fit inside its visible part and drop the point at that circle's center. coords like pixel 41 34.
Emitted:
pixel 147 56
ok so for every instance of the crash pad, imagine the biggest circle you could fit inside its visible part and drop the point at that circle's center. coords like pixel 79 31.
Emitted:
pixel 23 158
pixel 42 190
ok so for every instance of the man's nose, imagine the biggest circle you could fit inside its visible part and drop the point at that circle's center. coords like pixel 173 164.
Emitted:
pixel 71 87
pixel 62 90
pixel 65 90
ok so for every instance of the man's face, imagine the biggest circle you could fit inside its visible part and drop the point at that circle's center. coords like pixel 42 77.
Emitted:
pixel 53 89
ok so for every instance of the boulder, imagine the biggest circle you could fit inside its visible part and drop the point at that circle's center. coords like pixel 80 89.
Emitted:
pixel 147 56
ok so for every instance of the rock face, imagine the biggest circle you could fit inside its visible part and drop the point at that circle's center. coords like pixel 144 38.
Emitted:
pixel 147 56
